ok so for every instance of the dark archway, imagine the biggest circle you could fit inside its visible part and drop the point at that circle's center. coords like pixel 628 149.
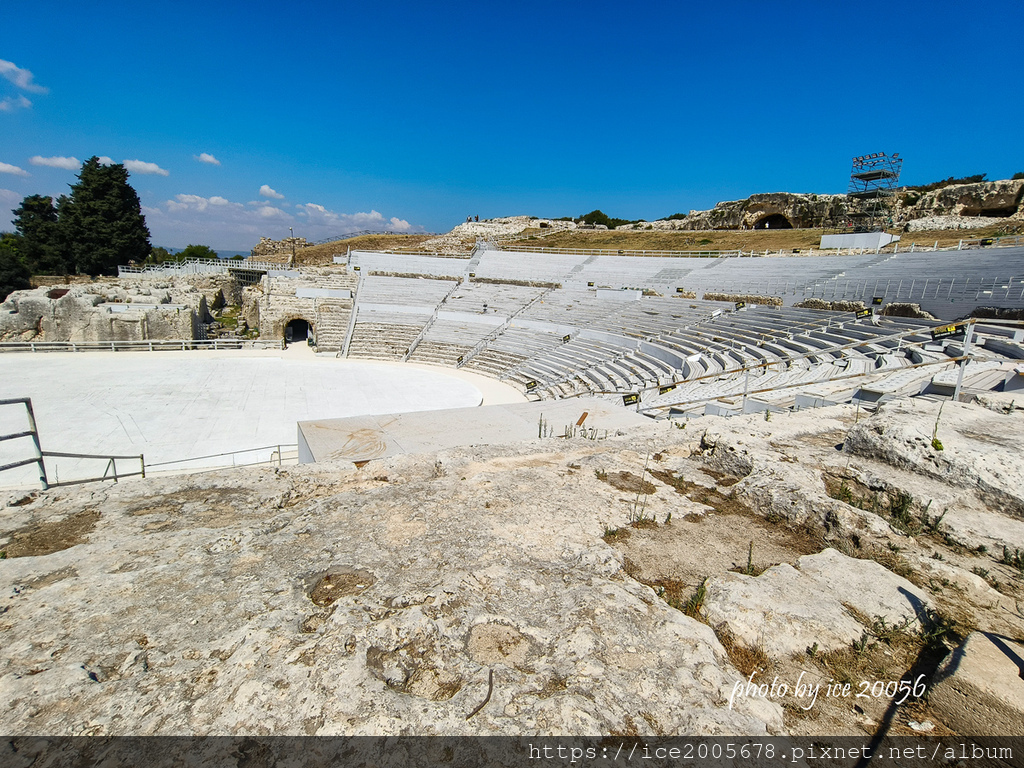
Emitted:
pixel 773 221
pixel 296 330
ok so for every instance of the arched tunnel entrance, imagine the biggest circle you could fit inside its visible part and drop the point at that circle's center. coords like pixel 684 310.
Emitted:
pixel 773 221
pixel 296 330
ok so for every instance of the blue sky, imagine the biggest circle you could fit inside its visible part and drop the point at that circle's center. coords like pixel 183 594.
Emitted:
pixel 242 119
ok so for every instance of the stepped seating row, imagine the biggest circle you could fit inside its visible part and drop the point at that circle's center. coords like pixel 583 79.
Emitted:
pixel 706 339
pixel 404 291
pixel 573 308
pixel 331 323
pixel 504 300
pixel 529 267
pixel 651 317
pixel 438 353
pixel 607 271
pixel 511 348
pixel 447 340
pixel 949 284
pixel 410 264
pixel 385 335
pixel 382 341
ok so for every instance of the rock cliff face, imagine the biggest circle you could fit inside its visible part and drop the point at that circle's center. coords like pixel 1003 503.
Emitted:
pixel 990 199
pixel 965 204
pixel 774 210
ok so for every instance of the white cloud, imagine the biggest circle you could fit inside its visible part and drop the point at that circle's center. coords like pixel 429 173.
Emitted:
pixel 10 104
pixel 9 200
pixel 67 163
pixel 206 157
pixel 220 223
pixel 104 160
pixel 140 166
pixel 270 212
pixel 13 170
pixel 326 223
pixel 199 203
pixel 21 78
pixel 266 191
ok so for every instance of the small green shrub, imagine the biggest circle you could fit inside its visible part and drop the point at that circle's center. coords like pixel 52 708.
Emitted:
pixel 694 607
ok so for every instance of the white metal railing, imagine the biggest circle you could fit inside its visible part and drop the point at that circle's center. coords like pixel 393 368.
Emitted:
pixel 268 455
pixel 154 345
pixel 620 252
pixel 39 456
pixel 198 266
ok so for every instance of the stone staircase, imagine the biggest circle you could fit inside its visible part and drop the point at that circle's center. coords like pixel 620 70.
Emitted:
pixel 382 341
pixel 331 323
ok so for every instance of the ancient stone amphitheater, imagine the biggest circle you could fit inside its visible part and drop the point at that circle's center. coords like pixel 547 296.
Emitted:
pixel 784 330
pixel 851 521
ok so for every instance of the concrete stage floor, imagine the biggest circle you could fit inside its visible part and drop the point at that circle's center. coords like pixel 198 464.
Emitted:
pixel 181 405
pixel 361 438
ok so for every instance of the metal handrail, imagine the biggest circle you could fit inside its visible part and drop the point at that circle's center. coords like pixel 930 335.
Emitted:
pixel 621 252
pixel 110 473
pixel 279 452
pixel 152 345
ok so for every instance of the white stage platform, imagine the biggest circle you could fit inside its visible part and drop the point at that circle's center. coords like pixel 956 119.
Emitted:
pixel 173 405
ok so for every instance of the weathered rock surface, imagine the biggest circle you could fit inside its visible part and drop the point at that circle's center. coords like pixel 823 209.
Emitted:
pixel 782 611
pixel 987 199
pixel 455 241
pixel 326 599
pixel 322 600
pixel 787 610
pixel 959 206
pixel 774 209
pixel 979 447
pixel 979 687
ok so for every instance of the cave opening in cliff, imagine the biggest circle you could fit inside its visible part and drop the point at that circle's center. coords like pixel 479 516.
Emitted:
pixel 773 221
pixel 296 330
pixel 991 213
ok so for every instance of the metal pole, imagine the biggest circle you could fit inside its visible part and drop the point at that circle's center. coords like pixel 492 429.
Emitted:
pixel 35 441
pixel 963 363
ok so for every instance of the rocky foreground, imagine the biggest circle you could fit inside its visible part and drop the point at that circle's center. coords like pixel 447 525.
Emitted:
pixel 629 585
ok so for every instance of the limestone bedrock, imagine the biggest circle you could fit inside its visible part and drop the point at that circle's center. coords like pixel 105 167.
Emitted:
pixel 320 600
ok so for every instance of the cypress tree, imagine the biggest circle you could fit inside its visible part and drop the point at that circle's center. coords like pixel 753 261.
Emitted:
pixel 38 238
pixel 14 275
pixel 101 224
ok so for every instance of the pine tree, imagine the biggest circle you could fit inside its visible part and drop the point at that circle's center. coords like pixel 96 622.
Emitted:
pixel 101 224
pixel 39 243
pixel 14 275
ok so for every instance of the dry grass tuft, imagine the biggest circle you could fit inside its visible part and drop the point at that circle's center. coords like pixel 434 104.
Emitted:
pixel 746 660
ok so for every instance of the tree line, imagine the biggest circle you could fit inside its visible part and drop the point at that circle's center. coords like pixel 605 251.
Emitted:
pixel 91 231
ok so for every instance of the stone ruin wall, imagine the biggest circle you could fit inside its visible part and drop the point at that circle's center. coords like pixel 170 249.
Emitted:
pixel 271 307
pixel 76 312
pixel 81 312
pixel 268 247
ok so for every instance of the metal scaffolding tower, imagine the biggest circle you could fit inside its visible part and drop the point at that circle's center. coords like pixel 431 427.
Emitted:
pixel 872 190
